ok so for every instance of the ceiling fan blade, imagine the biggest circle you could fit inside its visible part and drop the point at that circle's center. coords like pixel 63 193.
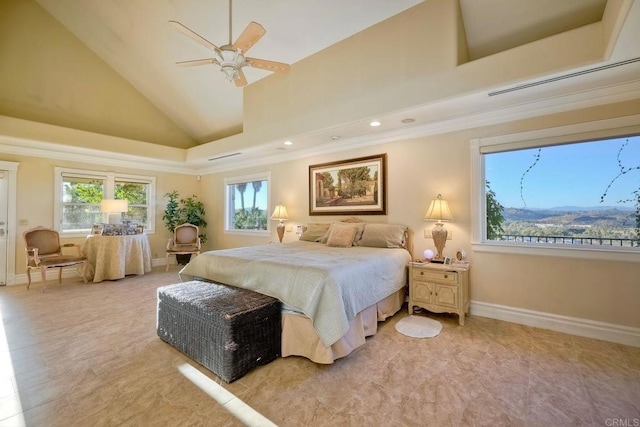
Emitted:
pixel 278 67
pixel 240 79
pixel 193 35
pixel 197 62
pixel 249 37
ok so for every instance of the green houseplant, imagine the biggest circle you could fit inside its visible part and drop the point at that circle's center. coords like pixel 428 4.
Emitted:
pixel 181 210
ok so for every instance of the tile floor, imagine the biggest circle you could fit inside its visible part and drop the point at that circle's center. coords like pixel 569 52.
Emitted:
pixel 88 355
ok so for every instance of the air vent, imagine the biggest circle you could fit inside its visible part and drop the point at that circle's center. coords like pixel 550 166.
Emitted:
pixel 224 157
pixel 563 77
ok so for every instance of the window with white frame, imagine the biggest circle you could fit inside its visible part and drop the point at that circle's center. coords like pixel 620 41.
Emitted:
pixel 78 194
pixel 575 192
pixel 247 203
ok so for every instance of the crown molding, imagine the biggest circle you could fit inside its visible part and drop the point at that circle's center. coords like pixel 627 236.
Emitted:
pixel 50 150
pixel 484 117
pixel 479 115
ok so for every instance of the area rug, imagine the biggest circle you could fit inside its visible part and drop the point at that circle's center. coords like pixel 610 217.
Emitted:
pixel 418 327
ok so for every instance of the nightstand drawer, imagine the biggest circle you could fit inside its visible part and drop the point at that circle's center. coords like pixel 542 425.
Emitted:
pixel 435 276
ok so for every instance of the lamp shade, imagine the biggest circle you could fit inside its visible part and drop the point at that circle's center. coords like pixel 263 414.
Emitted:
pixel 280 213
pixel 114 206
pixel 438 210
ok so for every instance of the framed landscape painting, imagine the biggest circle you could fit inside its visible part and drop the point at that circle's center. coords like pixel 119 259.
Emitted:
pixel 349 187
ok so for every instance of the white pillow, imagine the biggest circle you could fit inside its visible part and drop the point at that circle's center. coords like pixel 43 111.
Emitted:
pixel 342 235
pixel 383 236
pixel 314 232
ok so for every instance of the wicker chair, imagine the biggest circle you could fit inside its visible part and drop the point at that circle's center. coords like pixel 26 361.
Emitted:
pixel 44 251
pixel 185 241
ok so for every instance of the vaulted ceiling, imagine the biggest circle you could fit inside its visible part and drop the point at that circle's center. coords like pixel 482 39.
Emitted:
pixel 134 39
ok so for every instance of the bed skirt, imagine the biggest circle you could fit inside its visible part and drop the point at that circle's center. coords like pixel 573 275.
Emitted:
pixel 300 339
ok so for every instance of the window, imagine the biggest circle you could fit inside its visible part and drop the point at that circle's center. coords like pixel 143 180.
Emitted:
pixel 136 192
pixel 575 193
pixel 78 194
pixel 247 203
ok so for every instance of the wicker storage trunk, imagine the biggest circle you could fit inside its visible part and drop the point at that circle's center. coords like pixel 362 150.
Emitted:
pixel 226 329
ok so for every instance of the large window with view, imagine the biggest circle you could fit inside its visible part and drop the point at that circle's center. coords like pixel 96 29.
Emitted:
pixel 79 193
pixel 582 194
pixel 247 203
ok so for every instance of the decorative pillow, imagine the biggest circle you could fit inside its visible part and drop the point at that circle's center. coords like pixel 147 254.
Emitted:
pixel 342 235
pixel 351 221
pixel 383 236
pixel 315 231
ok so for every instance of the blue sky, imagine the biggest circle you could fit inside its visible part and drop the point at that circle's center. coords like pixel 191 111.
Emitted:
pixel 566 175
pixel 261 197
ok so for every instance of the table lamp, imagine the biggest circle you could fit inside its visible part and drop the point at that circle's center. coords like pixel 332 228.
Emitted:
pixel 114 206
pixel 280 214
pixel 439 211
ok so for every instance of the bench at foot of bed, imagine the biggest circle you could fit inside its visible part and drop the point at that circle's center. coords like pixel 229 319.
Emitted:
pixel 228 330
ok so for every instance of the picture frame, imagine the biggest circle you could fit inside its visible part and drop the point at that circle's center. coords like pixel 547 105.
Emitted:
pixel 97 229
pixel 349 187
pixel 448 260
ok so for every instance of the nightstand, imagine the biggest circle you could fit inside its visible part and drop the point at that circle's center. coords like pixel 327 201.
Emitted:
pixel 439 288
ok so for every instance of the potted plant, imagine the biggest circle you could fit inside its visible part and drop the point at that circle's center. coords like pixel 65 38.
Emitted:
pixel 178 211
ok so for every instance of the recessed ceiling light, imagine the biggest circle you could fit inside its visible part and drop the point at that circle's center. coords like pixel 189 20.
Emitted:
pixel 374 123
pixel 408 120
pixel 335 137
pixel 288 143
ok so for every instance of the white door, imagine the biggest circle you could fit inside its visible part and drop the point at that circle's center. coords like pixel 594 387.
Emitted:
pixel 4 212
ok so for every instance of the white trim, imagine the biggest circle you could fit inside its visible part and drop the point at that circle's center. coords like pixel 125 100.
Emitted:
pixel 12 198
pixel 607 128
pixel 258 233
pixel 619 126
pixel 52 150
pixel 109 179
pixel 52 275
pixel 575 251
pixel 67 273
pixel 232 180
pixel 569 325
pixel 485 114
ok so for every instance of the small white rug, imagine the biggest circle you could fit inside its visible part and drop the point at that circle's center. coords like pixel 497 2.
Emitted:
pixel 418 327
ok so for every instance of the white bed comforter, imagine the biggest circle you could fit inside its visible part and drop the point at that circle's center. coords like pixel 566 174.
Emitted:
pixel 329 285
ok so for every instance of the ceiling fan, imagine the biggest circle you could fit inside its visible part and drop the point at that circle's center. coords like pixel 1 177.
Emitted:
pixel 230 57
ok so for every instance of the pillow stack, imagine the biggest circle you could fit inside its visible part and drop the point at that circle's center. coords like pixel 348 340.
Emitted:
pixel 347 233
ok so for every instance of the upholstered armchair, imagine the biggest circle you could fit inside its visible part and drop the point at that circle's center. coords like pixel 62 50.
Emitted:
pixel 44 251
pixel 185 241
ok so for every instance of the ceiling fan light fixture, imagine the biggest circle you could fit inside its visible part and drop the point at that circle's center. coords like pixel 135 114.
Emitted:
pixel 229 71
pixel 230 62
pixel 230 57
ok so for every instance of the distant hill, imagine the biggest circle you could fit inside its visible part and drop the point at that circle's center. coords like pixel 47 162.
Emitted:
pixel 593 208
pixel 615 217
pixel 583 208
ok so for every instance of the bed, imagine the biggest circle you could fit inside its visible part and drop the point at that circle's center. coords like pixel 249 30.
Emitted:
pixel 334 285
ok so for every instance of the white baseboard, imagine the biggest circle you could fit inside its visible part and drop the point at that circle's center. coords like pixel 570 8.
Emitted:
pixel 571 325
pixel 21 279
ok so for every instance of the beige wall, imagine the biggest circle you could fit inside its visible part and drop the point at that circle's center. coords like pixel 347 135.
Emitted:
pixel 48 75
pixel 35 186
pixel 93 97
pixel 419 169
pixel 410 59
